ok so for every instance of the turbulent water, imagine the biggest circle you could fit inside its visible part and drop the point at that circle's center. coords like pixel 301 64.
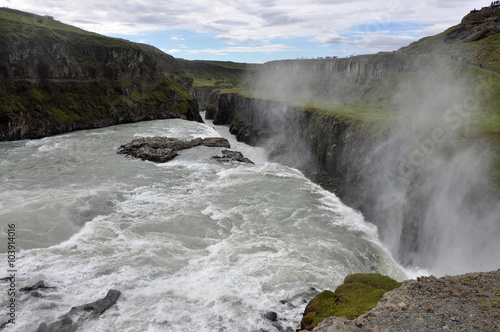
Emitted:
pixel 192 244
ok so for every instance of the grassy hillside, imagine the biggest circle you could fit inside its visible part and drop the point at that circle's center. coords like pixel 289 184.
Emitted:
pixel 56 78
pixel 15 22
pixel 222 74
pixel 476 39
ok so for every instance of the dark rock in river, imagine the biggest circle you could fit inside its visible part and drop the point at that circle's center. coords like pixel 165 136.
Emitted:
pixel 232 156
pixel 162 149
pixel 80 314
pixel 39 285
pixel 33 290
pixel 271 315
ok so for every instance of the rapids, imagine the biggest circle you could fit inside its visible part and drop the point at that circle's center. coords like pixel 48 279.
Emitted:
pixel 192 244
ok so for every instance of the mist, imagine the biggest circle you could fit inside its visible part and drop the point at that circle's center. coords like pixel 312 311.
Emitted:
pixel 426 181
pixel 434 200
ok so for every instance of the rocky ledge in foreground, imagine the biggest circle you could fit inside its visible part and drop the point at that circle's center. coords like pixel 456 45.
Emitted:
pixel 469 302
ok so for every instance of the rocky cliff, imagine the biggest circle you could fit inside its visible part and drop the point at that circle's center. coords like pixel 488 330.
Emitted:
pixel 56 78
pixel 409 138
pixel 355 69
pixel 365 166
pixel 475 38
pixel 329 147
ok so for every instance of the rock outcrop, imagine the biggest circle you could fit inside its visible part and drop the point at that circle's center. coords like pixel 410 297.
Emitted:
pixel 474 40
pixel 163 149
pixel 33 290
pixel 232 156
pixel 478 24
pixel 71 321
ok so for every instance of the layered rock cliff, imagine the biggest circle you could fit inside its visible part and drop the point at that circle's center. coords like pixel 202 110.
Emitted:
pixel 328 147
pixel 408 138
pixel 56 78
pixel 355 69
pixel 366 167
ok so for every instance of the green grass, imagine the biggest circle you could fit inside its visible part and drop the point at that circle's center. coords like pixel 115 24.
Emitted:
pixel 60 116
pixel 359 293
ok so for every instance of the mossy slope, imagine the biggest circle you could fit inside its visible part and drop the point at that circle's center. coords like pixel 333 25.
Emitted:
pixel 359 293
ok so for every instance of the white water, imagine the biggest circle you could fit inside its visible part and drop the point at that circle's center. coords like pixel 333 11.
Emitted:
pixel 192 244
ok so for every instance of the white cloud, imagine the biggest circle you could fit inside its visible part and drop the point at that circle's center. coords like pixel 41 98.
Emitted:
pixel 263 48
pixel 381 42
pixel 172 51
pixel 237 21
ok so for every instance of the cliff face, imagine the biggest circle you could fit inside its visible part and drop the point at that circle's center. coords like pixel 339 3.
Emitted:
pixel 328 147
pixel 409 138
pixel 355 70
pixel 35 59
pixel 56 78
pixel 203 95
pixel 364 169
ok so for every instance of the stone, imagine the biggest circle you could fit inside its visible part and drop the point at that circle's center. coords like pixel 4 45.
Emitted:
pixel 271 315
pixel 39 285
pixel 160 149
pixel 232 156
pixel 81 313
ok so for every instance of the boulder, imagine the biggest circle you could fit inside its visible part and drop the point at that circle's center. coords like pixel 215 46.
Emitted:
pixel 232 156
pixel 39 285
pixel 70 321
pixel 162 149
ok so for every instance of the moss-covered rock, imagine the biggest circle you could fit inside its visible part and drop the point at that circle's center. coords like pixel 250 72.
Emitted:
pixel 359 293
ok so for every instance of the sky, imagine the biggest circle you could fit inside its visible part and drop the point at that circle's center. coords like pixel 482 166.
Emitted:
pixel 257 31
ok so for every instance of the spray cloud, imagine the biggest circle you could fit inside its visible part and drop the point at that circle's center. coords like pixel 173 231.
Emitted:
pixel 428 178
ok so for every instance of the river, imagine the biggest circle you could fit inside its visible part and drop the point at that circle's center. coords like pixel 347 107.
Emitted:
pixel 192 244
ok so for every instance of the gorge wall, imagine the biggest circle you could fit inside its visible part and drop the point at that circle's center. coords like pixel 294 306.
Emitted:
pixel 422 209
pixel 328 148
pixel 55 78
pixel 409 138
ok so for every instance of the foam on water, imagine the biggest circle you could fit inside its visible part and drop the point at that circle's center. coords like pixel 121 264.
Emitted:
pixel 192 244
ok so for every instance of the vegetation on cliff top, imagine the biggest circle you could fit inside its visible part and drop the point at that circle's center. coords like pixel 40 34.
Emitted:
pixel 359 293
